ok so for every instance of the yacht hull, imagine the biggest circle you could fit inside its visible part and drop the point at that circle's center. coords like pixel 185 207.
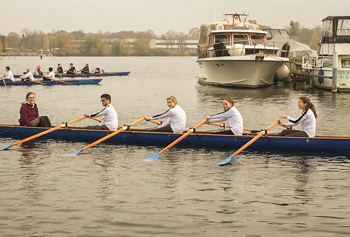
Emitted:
pixel 249 71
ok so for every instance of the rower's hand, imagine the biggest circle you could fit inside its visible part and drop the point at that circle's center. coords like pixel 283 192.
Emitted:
pixel 86 115
pixel 282 115
pixel 146 118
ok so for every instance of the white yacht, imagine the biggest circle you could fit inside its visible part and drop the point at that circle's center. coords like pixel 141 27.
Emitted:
pixel 236 53
pixel 335 46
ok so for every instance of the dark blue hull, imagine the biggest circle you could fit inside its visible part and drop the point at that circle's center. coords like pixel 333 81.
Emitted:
pixel 66 82
pixel 107 74
pixel 334 144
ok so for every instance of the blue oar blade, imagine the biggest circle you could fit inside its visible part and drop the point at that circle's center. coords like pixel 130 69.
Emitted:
pixel 75 153
pixel 225 161
pixel 5 147
pixel 154 157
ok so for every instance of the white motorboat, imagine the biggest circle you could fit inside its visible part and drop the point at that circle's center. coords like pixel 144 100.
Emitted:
pixel 334 47
pixel 236 53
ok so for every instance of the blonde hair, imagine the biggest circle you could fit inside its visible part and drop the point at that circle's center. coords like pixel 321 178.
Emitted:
pixel 172 98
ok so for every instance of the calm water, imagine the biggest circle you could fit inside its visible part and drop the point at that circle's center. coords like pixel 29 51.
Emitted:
pixel 110 191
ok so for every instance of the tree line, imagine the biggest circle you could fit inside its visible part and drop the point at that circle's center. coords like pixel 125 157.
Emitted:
pixel 78 43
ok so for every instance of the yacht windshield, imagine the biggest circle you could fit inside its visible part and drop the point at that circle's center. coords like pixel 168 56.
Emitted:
pixel 240 39
pixel 343 27
pixel 225 39
pixel 327 29
pixel 258 39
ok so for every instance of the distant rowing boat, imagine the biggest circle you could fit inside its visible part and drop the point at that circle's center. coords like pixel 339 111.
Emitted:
pixel 334 144
pixel 107 74
pixel 66 82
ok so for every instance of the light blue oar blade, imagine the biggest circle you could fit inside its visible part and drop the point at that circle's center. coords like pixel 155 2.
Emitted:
pixel 5 147
pixel 154 157
pixel 75 153
pixel 225 161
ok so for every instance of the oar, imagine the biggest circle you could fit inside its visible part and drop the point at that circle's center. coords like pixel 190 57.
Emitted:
pixel 65 82
pixel 3 81
pixel 156 156
pixel 228 159
pixel 223 125
pixel 126 127
pixel 42 133
pixel 156 122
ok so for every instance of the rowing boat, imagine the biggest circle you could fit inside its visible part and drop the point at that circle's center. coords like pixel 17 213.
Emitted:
pixel 75 82
pixel 106 74
pixel 270 142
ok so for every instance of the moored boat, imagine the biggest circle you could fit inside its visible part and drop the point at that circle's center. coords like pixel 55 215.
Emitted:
pixel 75 82
pixel 334 144
pixel 236 53
pixel 106 74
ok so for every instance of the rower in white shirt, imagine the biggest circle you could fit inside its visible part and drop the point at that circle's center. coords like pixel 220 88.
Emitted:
pixel 9 76
pixel 28 76
pixel 50 76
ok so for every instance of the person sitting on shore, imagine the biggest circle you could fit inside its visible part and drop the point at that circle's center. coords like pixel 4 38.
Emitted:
pixel 9 76
pixel 110 120
pixel 307 119
pixel 98 70
pixel 50 76
pixel 85 69
pixel 71 70
pixel 38 71
pixel 59 69
pixel 231 114
pixel 28 76
pixel 177 120
pixel 29 113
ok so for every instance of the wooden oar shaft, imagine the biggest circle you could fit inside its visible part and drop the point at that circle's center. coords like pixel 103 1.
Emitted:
pixel 112 134
pixel 254 139
pixel 223 125
pixel 156 122
pixel 47 131
pixel 97 119
pixel 182 137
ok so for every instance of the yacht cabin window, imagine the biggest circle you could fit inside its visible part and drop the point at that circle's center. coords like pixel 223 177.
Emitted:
pixel 240 39
pixel 225 39
pixel 258 39
pixel 345 63
pixel 327 28
pixel 343 27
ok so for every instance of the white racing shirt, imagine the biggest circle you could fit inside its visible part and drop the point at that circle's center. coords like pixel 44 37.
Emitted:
pixel 177 119
pixel 9 75
pixel 307 120
pixel 233 117
pixel 51 75
pixel 29 75
pixel 111 117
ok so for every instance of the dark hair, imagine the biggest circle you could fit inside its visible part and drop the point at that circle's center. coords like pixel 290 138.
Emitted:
pixel 106 96
pixel 50 69
pixel 308 103
pixel 8 67
pixel 229 99
pixel 28 94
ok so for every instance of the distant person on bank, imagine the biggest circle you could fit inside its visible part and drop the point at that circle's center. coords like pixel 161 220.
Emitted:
pixel 110 120
pixel 177 120
pixel 29 113
pixel 28 76
pixel 50 76
pixel 9 76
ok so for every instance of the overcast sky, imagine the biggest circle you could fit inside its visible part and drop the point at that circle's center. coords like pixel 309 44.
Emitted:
pixel 157 15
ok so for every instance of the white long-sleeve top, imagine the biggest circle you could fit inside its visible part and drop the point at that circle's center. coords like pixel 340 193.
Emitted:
pixel 9 75
pixel 111 117
pixel 307 120
pixel 29 75
pixel 51 75
pixel 177 119
pixel 233 117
